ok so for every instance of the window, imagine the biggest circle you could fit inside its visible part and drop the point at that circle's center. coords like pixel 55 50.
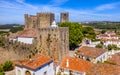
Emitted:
pixel 45 73
pixel 27 73
pixel 62 70
pixel 70 72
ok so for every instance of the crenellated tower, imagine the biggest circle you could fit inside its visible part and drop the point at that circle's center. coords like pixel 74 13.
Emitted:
pixel 64 17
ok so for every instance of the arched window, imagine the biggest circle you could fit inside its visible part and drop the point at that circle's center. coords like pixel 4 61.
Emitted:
pixel 27 73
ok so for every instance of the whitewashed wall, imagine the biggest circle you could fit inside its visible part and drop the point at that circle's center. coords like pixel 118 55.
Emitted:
pixel 66 72
pixel 14 39
pixel 48 68
pixel 25 40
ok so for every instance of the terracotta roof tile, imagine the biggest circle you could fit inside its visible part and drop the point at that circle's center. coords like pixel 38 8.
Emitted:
pixel 109 39
pixel 115 59
pixel 28 33
pixel 35 62
pixel 75 64
pixel 91 51
pixel 104 69
pixel 13 35
pixel 103 35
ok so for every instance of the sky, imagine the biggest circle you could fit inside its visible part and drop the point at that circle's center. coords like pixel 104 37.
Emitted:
pixel 12 11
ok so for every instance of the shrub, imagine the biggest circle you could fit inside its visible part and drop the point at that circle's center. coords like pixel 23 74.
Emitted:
pixel 8 66
pixel 2 73
pixel 1 68
pixel 99 45
pixel 112 46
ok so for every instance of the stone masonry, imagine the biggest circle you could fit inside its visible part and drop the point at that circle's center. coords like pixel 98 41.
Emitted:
pixel 52 41
pixel 64 17
pixel 41 20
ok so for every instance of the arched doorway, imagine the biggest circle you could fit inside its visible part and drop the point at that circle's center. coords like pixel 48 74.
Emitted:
pixel 27 73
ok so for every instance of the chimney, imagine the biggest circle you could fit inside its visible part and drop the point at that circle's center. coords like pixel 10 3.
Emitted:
pixel 67 63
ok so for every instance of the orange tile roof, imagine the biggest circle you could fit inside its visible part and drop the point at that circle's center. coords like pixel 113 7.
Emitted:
pixel 75 64
pixel 104 69
pixel 103 35
pixel 115 59
pixel 34 63
pixel 13 35
pixel 91 51
pixel 28 33
pixel 109 39
pixel 111 32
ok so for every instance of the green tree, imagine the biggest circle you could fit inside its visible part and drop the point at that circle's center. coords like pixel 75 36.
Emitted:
pixel 99 45
pixel 15 29
pixel 75 33
pixel 89 32
pixel 2 73
pixel 8 66
pixel 112 46
pixel 103 31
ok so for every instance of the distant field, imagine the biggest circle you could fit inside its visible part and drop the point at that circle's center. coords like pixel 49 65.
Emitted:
pixel 4 30
pixel 11 28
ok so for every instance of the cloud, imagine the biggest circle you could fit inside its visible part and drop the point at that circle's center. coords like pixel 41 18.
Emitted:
pixel 107 6
pixel 13 12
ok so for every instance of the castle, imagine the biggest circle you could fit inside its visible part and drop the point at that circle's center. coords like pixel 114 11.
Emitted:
pixel 51 39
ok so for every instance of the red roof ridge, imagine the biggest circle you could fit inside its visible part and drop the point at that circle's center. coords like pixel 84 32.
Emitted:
pixel 75 64
pixel 35 62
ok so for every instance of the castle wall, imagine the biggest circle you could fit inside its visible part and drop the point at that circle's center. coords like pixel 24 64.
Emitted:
pixel 64 41
pixel 52 42
pixel 13 50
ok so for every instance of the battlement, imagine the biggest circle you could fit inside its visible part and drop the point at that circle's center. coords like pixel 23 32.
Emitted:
pixel 43 19
pixel 64 17
pixel 51 41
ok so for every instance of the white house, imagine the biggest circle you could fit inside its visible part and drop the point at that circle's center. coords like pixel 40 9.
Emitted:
pixel 107 41
pixel 38 65
pixel 26 36
pixel 74 66
pixel 92 54
pixel 109 37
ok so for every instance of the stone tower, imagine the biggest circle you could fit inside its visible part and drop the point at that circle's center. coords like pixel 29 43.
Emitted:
pixel 64 17
pixel 54 42
pixel 44 19
pixel 30 21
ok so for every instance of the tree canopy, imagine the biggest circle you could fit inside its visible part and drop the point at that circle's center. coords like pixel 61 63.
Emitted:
pixel 77 33
pixel 89 32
